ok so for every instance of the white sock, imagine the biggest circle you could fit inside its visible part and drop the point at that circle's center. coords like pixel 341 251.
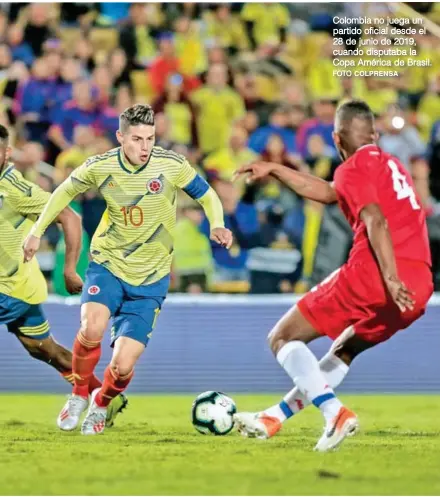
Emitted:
pixel 302 366
pixel 334 371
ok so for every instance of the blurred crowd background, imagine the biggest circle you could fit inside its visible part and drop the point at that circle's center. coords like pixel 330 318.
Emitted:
pixel 229 83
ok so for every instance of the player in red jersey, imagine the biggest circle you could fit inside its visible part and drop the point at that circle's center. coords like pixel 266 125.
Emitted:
pixel 383 288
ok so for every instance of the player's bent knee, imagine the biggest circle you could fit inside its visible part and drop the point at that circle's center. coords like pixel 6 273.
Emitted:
pixel 122 367
pixel 93 329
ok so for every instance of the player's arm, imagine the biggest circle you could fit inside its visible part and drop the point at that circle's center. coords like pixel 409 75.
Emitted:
pixel 198 189
pixel 79 181
pixel 30 200
pixel 382 245
pixel 304 184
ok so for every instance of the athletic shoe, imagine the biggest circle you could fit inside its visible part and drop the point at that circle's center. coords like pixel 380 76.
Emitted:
pixel 116 406
pixel 94 422
pixel 344 424
pixel 257 425
pixel 68 419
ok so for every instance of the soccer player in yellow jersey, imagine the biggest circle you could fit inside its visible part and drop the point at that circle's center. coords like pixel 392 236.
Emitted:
pixel 22 286
pixel 132 248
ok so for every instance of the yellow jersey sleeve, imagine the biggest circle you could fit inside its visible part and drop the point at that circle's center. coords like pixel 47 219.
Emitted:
pixel 185 175
pixel 27 198
pixel 81 180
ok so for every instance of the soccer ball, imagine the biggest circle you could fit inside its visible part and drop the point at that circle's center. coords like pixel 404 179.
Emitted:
pixel 212 413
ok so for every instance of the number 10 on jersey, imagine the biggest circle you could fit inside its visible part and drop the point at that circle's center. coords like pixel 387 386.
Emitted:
pixel 133 215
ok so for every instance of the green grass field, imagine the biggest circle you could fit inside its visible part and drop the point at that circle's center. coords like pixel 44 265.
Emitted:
pixel 155 450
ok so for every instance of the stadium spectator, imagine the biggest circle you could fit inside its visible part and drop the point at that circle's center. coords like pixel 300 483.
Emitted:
pixel 225 29
pixel 218 106
pixel 32 101
pixel 82 110
pixel 166 64
pixel 242 219
pixel 275 265
pixel 179 110
pixel 322 124
pixel 192 252
pixel 20 49
pixel 37 29
pixel 226 161
pixel 108 121
pixel 266 22
pixel 120 69
pixel 278 125
pixel 189 47
pixel 70 72
pixel 84 53
pixel 136 37
pixel 83 147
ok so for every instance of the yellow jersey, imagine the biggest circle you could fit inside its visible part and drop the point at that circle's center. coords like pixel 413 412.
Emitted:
pixel 134 239
pixel 217 111
pixel 21 202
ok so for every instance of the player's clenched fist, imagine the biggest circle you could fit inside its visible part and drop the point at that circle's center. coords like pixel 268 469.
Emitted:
pixel 400 294
pixel 73 281
pixel 256 171
pixel 30 247
pixel 223 236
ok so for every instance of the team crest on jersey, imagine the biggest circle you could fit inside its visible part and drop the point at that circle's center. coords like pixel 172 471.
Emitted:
pixel 93 290
pixel 155 186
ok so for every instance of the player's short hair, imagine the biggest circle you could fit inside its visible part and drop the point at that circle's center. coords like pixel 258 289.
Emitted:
pixel 354 109
pixel 4 135
pixel 135 115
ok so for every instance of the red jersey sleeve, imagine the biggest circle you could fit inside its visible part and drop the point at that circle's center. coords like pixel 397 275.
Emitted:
pixel 357 188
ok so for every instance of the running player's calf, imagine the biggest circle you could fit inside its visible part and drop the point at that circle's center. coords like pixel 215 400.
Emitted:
pixel 117 377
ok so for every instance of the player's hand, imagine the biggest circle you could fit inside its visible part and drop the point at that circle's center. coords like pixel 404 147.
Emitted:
pixel 30 247
pixel 222 236
pixel 73 281
pixel 402 296
pixel 255 171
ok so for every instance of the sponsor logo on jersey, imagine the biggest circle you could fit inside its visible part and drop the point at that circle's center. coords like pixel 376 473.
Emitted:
pixel 93 290
pixel 155 186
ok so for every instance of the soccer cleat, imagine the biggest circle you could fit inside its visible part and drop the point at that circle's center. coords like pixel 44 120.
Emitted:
pixel 116 406
pixel 257 425
pixel 94 422
pixel 68 419
pixel 344 424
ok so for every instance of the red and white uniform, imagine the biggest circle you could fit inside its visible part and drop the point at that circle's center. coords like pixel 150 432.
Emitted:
pixel 356 294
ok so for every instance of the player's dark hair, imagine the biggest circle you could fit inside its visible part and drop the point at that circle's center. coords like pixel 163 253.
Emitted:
pixel 354 109
pixel 135 115
pixel 4 135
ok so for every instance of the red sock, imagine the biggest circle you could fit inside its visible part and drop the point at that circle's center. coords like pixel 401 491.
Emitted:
pixel 112 386
pixel 94 382
pixel 86 356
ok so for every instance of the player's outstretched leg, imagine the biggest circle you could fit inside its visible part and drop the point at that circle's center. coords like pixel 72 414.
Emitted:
pixel 288 342
pixel 117 376
pixel 267 423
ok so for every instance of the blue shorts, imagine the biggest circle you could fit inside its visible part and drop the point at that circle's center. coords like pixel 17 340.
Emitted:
pixel 22 318
pixel 134 308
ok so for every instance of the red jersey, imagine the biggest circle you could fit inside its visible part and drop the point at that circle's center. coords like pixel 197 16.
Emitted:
pixel 373 176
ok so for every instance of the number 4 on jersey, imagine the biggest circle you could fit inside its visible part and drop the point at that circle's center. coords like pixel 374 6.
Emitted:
pixel 401 186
